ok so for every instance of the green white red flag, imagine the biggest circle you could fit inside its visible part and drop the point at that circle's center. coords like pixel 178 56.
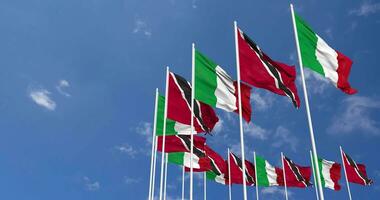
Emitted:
pixel 268 175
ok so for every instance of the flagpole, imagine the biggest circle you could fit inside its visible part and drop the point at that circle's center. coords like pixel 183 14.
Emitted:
pixel 315 181
pixel 204 186
pixel 345 173
pixel 183 182
pixel 283 173
pixel 229 176
pixel 257 185
pixel 313 145
pixel 153 144
pixel 240 112
pixel 154 167
pixel 166 174
pixel 192 118
pixel 164 133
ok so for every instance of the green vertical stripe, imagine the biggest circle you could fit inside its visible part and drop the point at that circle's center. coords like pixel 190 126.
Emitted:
pixel 160 119
pixel 205 79
pixel 320 164
pixel 176 158
pixel 262 176
pixel 211 175
pixel 308 44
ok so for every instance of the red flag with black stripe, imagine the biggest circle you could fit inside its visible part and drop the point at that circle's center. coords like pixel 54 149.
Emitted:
pixel 181 143
pixel 356 173
pixel 236 168
pixel 296 175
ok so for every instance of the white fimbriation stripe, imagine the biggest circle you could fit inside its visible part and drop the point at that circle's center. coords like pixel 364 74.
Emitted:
pixel 225 91
pixel 326 167
pixel 182 129
pixel 187 158
pixel 220 179
pixel 271 174
pixel 328 58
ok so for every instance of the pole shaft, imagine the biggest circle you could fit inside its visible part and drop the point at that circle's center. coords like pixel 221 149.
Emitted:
pixel 164 132
pixel 166 174
pixel 154 167
pixel 284 174
pixel 345 173
pixel 192 118
pixel 314 168
pixel 205 186
pixel 229 176
pixel 153 144
pixel 183 182
pixel 313 145
pixel 240 112
pixel 257 184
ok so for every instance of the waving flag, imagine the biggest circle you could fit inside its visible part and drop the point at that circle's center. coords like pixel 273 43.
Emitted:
pixel 257 69
pixel 236 168
pixel 181 143
pixel 179 106
pixel 318 56
pixel 216 88
pixel 201 163
pixel 267 175
pixel 356 173
pixel 330 174
pixel 296 175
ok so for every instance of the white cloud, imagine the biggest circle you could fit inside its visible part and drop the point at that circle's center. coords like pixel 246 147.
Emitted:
pixel 283 137
pixel 366 8
pixel 91 185
pixel 41 97
pixel 145 129
pixel 127 149
pixel 194 4
pixel 356 115
pixel 62 84
pixel 329 33
pixel 262 100
pixel 141 27
pixel 129 180
pixel 316 83
pixel 255 131
pixel 218 127
pixel 274 191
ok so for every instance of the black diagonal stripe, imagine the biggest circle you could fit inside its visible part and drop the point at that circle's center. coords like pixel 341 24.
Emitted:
pixel 296 171
pixel 185 87
pixel 272 68
pixel 187 141
pixel 214 167
pixel 353 164
pixel 238 161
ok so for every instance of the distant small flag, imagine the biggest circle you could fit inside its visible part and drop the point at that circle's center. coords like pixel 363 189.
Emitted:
pixel 200 162
pixel 330 174
pixel 236 169
pixel 356 173
pixel 181 143
pixel 318 56
pixel 267 175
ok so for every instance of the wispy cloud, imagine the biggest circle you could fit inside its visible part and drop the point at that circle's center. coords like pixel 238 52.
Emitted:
pixel 262 100
pixel 42 98
pixel 62 85
pixel 130 180
pixel 355 114
pixel 275 191
pixel 142 27
pixel 283 137
pixel 91 185
pixel 366 8
pixel 256 131
pixel 317 84
pixel 145 129
pixel 218 127
pixel 127 149
pixel 194 4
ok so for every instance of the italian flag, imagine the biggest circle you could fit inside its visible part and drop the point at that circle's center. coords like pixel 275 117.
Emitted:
pixel 172 127
pixel 330 174
pixel 213 86
pixel 184 159
pixel 318 56
pixel 267 175
pixel 217 178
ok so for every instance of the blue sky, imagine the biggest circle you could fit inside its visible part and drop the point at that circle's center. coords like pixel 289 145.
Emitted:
pixel 78 78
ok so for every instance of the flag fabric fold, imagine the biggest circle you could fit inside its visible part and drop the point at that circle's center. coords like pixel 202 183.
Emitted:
pixel 296 175
pixel 218 172
pixel 182 143
pixel 259 70
pixel 356 173
pixel 200 162
pixel 216 88
pixel 318 56
pixel 179 106
pixel 267 175
pixel 330 174
pixel 236 168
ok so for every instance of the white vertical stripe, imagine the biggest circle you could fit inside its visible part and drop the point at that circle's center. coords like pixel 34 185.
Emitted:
pixel 225 91
pixel 187 158
pixel 271 174
pixel 326 167
pixel 182 129
pixel 328 58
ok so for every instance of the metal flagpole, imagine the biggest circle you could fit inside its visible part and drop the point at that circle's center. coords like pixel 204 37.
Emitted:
pixel 192 118
pixel 283 173
pixel 314 168
pixel 314 148
pixel 153 144
pixel 183 182
pixel 345 173
pixel 166 174
pixel 154 167
pixel 240 112
pixel 257 185
pixel 164 133
pixel 229 176
pixel 204 186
